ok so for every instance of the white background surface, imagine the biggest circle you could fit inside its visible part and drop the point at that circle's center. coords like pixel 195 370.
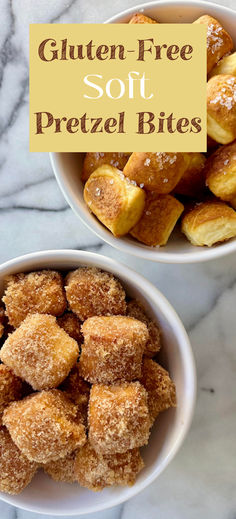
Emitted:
pixel 200 482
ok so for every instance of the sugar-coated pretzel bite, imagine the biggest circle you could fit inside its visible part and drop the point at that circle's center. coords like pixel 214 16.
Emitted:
pixel 113 349
pixel 90 292
pixel 62 469
pixel 193 180
pixel 159 387
pixel 219 42
pixel 44 426
pixel 153 344
pixel 40 352
pixel 141 18
pixel 115 201
pixel 158 172
pixel 77 390
pixel 11 388
pixel 37 292
pixel 118 417
pixel 96 471
pixel 209 222
pixel 157 222
pixel 93 161
pixel 71 325
pixel 16 470
pixel 221 172
pixel 227 65
pixel 221 108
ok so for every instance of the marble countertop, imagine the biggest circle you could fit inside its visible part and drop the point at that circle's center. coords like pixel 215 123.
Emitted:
pixel 200 482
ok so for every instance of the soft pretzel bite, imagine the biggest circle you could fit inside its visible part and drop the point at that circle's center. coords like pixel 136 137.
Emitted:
pixel 219 42
pixel 160 215
pixel 40 352
pixel 113 349
pixel 159 387
pixel 62 469
pixel 16 470
pixel 44 426
pixel 11 388
pixel 209 222
pixel 91 291
pixel 118 417
pixel 93 160
pixel 227 65
pixel 221 108
pixel 96 471
pixel 141 18
pixel 158 172
pixel 192 182
pixel 221 172
pixel 37 292
pixel 116 202
pixel 153 344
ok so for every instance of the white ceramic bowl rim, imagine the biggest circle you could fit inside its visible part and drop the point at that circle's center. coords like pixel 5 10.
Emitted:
pixel 194 254
pixel 55 258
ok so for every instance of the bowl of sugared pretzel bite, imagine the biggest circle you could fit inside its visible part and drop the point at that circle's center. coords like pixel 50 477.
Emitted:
pixel 97 382
pixel 168 207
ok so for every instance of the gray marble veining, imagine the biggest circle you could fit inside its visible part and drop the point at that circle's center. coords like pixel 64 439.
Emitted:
pixel 200 482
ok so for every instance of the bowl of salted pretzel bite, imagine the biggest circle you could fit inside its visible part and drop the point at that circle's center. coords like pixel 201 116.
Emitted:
pixel 168 207
pixel 97 382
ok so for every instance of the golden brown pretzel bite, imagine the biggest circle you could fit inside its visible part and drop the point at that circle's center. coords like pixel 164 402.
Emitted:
pixel 156 224
pixel 116 202
pixel 221 172
pixel 221 108
pixel 209 222
pixel 158 172
pixel 219 42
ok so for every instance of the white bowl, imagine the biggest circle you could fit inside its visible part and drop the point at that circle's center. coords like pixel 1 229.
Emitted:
pixel 44 495
pixel 67 166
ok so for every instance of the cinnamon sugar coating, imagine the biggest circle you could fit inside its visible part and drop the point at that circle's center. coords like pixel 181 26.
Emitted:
pixel 11 388
pixel 40 352
pixel 44 426
pixel 37 292
pixel 113 349
pixel 153 344
pixel 71 324
pixel 16 471
pixel 62 469
pixel 96 471
pixel 159 386
pixel 118 417
pixel 77 390
pixel 91 292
